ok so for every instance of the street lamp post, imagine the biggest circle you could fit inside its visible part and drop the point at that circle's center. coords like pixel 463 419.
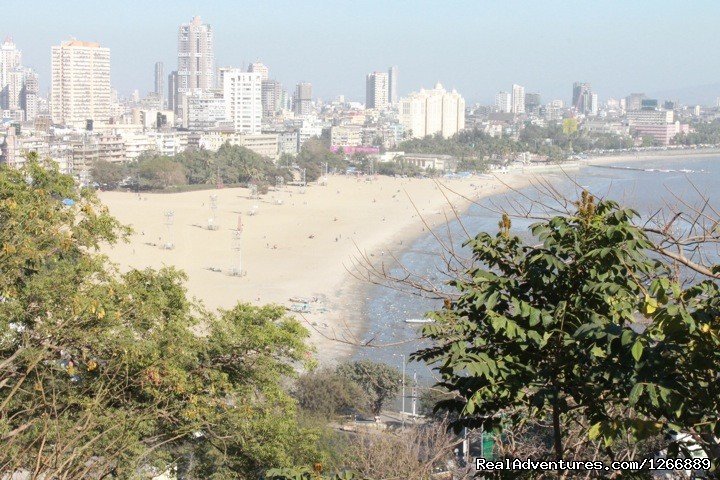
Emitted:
pixel 402 355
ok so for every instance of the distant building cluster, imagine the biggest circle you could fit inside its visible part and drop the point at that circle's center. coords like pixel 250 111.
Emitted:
pixel 197 104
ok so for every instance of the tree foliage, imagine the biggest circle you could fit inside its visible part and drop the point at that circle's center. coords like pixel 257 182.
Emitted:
pixel 104 374
pixel 380 381
pixel 585 330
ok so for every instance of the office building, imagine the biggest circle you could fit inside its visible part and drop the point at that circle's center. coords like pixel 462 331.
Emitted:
pixel 29 95
pixel 581 97
pixel 376 90
pixel 302 102
pixel 160 82
pixel 518 99
pixel 80 89
pixel 634 101
pixel 242 92
pixel 428 112
pixel 532 102
pixel 503 102
pixel 393 85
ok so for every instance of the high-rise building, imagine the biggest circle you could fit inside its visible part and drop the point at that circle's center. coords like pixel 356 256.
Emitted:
pixel 271 94
pixel 260 68
pixel 160 81
pixel 634 101
pixel 80 90
pixel 428 112
pixel 302 102
pixel 503 102
pixel 532 102
pixel 29 95
pixel 581 97
pixel 172 98
pixel 518 99
pixel 392 85
pixel 242 92
pixel 593 108
pixel 196 60
pixel 10 60
pixel 376 90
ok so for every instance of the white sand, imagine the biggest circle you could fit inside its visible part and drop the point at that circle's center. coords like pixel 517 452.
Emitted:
pixel 299 248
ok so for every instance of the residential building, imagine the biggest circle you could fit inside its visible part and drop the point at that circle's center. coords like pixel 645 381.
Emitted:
pixel 271 97
pixel 260 68
pixel 393 85
pixel 80 89
pixel 10 58
pixel 503 102
pixel 303 98
pixel 172 95
pixel 346 135
pixel 205 110
pixel 243 100
pixel 518 99
pixel 532 102
pixel 29 96
pixel 593 110
pixel 444 163
pixel 376 90
pixel 428 112
pixel 196 58
pixel 634 101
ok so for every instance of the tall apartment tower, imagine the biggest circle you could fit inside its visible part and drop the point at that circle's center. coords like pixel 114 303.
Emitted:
pixel 503 102
pixel 242 92
pixel 29 95
pixel 80 89
pixel 196 60
pixel 271 94
pixel 261 68
pixel 518 99
pixel 10 59
pixel 376 90
pixel 302 103
pixel 160 81
pixel 392 85
pixel 428 112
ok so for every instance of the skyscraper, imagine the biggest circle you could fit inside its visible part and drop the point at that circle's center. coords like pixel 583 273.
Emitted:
pixel 392 85
pixel 518 99
pixel 581 97
pixel 271 94
pixel 242 92
pixel 376 90
pixel 503 102
pixel 29 95
pixel 10 58
pixel 160 81
pixel 302 102
pixel 428 112
pixel 261 68
pixel 196 60
pixel 172 98
pixel 80 88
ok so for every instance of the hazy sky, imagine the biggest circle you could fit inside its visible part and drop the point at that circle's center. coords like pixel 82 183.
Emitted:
pixel 478 47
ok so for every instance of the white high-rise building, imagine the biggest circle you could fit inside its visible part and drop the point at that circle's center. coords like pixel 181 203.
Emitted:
pixel 428 112
pixel 261 68
pixel 10 59
pixel 376 90
pixel 503 102
pixel 593 110
pixel 80 89
pixel 242 92
pixel 518 99
pixel 196 60
pixel 392 85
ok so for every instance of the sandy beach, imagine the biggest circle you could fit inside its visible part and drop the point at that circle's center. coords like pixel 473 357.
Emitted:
pixel 299 243
pixel 293 244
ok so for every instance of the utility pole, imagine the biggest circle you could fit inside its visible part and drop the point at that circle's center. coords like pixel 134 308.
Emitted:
pixel 402 356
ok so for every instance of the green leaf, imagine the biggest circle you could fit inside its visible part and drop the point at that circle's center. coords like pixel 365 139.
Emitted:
pixel 637 350
pixel 635 393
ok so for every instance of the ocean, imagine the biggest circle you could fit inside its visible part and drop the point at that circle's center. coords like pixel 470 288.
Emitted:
pixel 646 186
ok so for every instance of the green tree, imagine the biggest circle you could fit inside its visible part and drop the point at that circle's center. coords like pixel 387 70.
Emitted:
pixel 108 173
pixel 380 381
pixel 329 394
pixel 103 373
pixel 159 172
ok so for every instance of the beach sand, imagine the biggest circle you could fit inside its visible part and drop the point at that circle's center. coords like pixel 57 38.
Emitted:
pixel 294 245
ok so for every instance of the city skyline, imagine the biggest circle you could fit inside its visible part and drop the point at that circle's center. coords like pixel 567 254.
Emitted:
pixel 572 47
